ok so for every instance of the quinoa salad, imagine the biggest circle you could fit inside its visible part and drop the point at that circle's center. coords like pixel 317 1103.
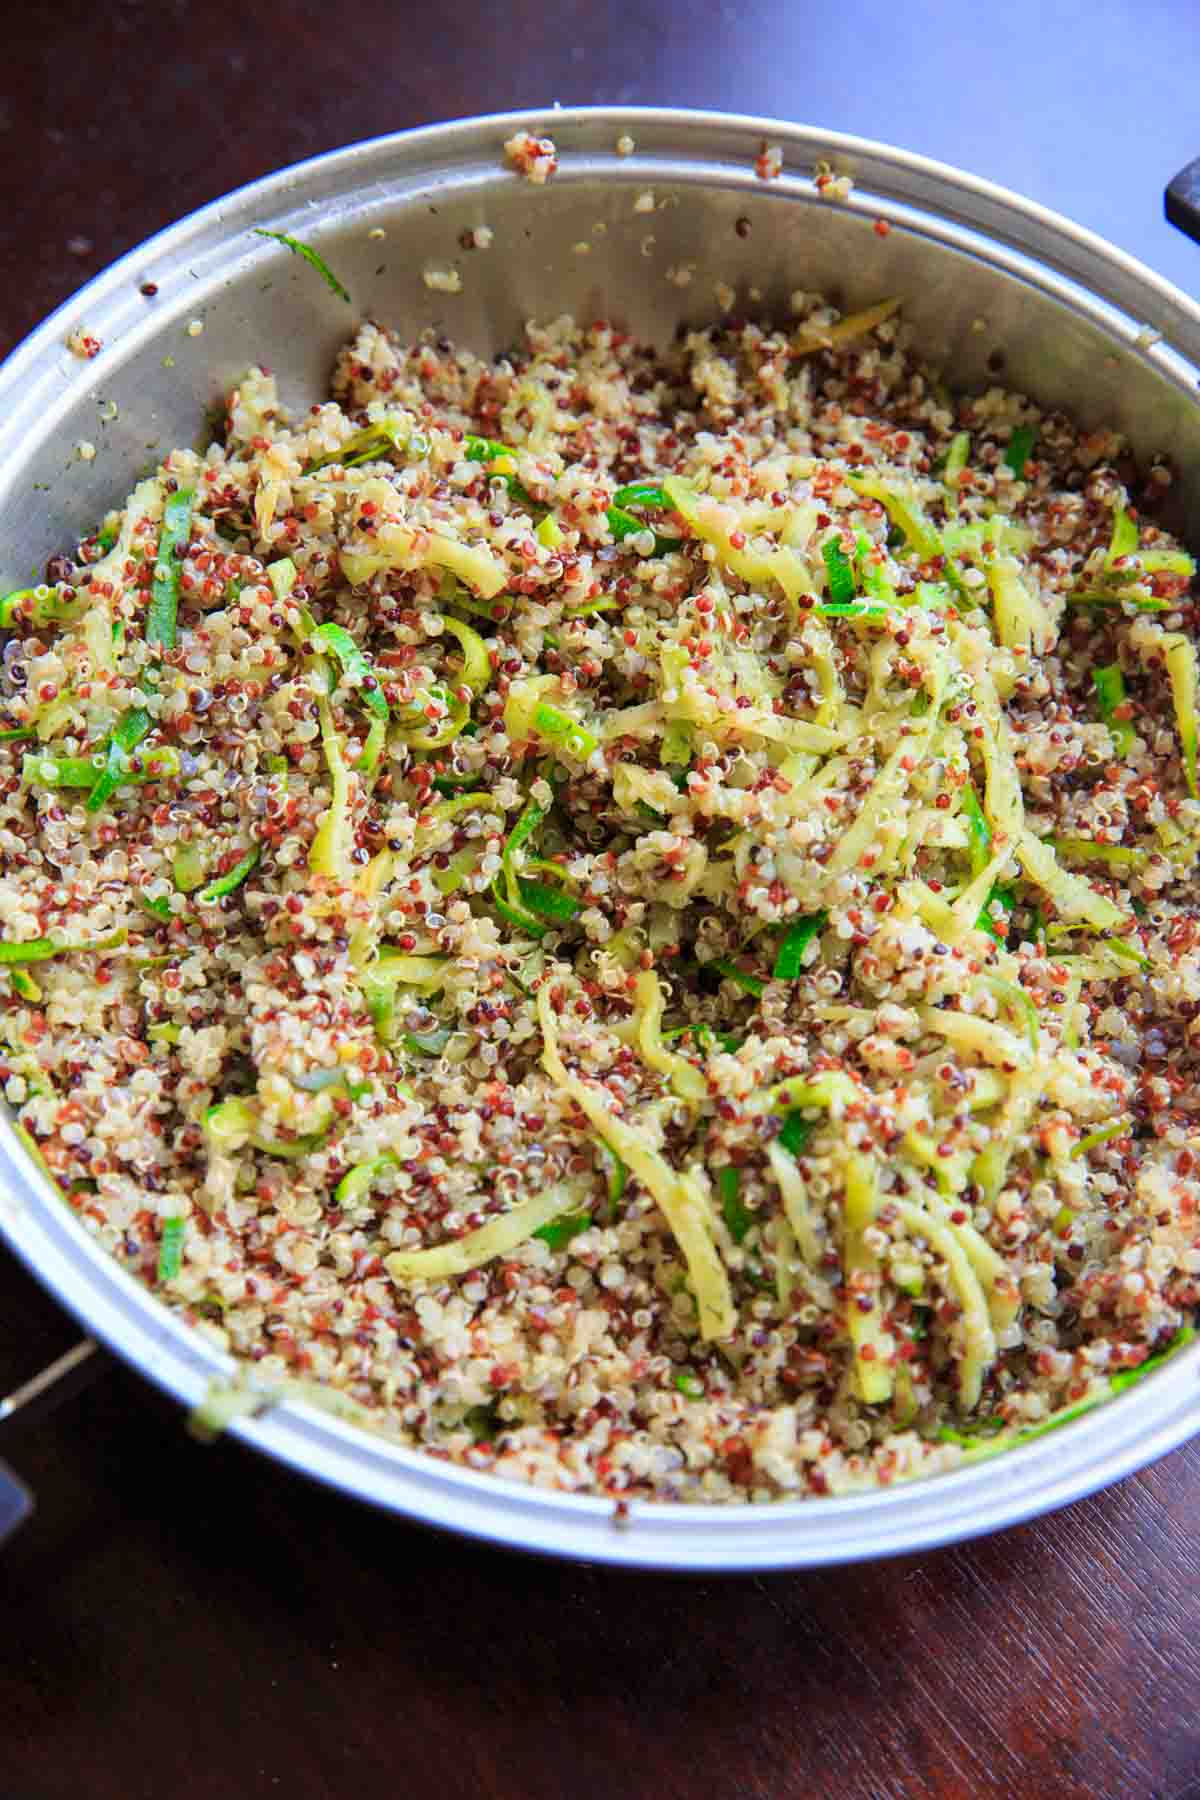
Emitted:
pixel 626 918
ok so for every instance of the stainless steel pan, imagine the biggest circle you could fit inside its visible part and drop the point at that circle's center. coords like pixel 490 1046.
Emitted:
pixel 988 280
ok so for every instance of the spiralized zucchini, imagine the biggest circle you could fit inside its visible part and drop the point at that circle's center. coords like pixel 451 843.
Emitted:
pixel 978 1337
pixel 499 1237
pixel 686 1080
pixel 872 1344
pixel 680 1194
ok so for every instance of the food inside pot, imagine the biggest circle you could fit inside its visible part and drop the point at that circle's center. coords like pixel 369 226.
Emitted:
pixel 627 917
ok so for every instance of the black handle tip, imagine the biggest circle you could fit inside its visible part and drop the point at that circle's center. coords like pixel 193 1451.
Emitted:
pixel 1181 202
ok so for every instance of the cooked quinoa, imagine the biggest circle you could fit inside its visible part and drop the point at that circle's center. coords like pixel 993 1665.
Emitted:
pixel 627 918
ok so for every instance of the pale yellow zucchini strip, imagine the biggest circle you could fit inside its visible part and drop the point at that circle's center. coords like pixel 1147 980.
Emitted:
pixel 979 1340
pixel 679 1195
pixel 891 781
pixel 686 1080
pixel 874 1348
pixel 826 337
pixel 991 1165
pixel 795 1203
pixel 497 1238
pixel 994 1043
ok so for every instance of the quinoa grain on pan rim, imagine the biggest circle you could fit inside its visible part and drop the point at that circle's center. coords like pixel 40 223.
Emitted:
pixel 626 918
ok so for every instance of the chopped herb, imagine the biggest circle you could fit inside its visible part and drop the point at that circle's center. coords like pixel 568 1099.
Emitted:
pixel 1006 899
pixel 480 449
pixel 484 1422
pixel 510 904
pixel 979 832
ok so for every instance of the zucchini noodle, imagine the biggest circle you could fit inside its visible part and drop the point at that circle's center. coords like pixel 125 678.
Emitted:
pixel 679 1194
pixel 873 1347
pixel 499 1237
pixel 686 1080
pixel 978 1337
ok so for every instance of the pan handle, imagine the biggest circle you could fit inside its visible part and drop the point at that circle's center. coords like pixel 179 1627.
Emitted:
pixel 1181 202
pixel 46 1390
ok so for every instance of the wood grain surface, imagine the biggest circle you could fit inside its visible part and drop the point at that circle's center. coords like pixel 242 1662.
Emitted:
pixel 197 1624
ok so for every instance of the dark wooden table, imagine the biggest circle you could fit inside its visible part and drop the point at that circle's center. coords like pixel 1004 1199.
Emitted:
pixel 197 1624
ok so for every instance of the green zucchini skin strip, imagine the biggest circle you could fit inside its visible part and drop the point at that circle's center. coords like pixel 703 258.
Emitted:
pixel 559 1232
pixel 130 730
pixel 749 984
pixel 789 963
pixel 642 493
pixel 1020 448
pixel 44 949
pixel 173 540
pixel 312 257
pixel 170 1249
pixel 338 642
pixel 512 904
pixel 738 1219
pixel 225 884
pixel 1110 692
pixel 840 571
